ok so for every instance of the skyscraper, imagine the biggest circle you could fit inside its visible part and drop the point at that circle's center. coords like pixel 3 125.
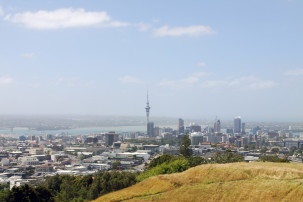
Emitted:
pixel 243 128
pixel 181 126
pixel 110 138
pixel 150 129
pixel 237 124
pixel 217 126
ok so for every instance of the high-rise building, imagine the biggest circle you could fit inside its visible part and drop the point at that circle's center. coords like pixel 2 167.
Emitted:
pixel 181 126
pixel 237 124
pixel 217 126
pixel 229 131
pixel 255 129
pixel 157 131
pixel 196 138
pixel 195 128
pixel 22 138
pixel 110 138
pixel 243 128
pixel 150 129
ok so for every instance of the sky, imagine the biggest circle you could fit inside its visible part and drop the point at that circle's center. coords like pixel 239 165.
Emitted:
pixel 198 59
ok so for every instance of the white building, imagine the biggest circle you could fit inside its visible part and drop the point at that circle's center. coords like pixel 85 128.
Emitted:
pixel 28 160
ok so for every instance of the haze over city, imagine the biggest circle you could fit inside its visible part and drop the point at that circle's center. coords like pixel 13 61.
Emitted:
pixel 199 59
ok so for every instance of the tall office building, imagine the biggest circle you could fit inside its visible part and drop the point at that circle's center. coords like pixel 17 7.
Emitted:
pixel 195 128
pixel 243 128
pixel 181 126
pixel 237 124
pixel 156 131
pixel 150 129
pixel 110 138
pixel 217 126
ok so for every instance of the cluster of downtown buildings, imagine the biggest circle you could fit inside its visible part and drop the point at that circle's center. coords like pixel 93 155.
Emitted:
pixel 206 139
pixel 28 159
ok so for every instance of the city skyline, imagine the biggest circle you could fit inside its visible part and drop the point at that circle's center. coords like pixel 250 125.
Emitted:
pixel 198 59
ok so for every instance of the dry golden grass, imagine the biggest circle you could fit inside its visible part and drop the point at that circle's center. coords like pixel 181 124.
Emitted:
pixel 220 182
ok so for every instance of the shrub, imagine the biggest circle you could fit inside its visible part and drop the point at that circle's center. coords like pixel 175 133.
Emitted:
pixel 175 166
pixel 274 158
pixel 227 157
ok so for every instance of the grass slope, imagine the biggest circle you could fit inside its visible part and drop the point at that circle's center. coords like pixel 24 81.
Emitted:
pixel 220 182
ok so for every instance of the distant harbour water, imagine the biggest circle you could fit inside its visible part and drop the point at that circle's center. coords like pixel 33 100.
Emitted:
pixel 300 134
pixel 74 131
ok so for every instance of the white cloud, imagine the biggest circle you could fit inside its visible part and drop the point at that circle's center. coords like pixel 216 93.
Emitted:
pixel 196 79
pixel 28 55
pixel 130 79
pixel 189 80
pixel 1 11
pixel 198 30
pixel 116 24
pixel 6 80
pixel 63 18
pixel 263 84
pixel 295 72
pixel 143 27
pixel 201 64
pixel 249 82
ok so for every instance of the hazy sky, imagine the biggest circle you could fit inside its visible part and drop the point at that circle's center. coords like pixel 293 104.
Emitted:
pixel 199 59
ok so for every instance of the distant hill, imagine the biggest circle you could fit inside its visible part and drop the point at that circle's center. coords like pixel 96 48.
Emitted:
pixel 220 182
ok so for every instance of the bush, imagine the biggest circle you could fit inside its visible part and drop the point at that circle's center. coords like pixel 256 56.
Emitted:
pixel 274 158
pixel 227 157
pixel 175 166
pixel 165 158
pixel 197 160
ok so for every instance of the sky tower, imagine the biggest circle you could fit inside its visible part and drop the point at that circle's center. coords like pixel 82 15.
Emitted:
pixel 147 108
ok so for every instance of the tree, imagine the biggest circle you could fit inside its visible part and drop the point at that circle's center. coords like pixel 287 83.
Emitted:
pixel 298 152
pixel 275 150
pixel 116 165
pixel 44 194
pixel 227 157
pixel 185 149
pixel 263 150
pixel 81 157
pixel 133 149
pixel 165 158
pixel 178 165
pixel 4 192
pixel 53 183
pixel 292 150
pixel 23 193
pixel 196 160
pixel 274 158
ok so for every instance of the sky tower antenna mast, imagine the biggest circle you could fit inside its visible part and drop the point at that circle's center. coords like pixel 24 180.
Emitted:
pixel 147 108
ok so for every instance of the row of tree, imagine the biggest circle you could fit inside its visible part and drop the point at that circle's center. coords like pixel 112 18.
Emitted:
pixel 25 193
pixel 66 188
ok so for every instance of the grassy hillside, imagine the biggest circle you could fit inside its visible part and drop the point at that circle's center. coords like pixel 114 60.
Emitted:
pixel 220 182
